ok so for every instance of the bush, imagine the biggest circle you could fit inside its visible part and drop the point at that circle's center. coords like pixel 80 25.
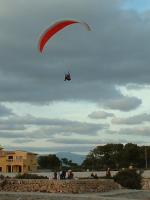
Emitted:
pixel 3 183
pixel 30 176
pixel 129 178
pixel 2 177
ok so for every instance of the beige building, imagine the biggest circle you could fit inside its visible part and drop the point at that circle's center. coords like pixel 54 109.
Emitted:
pixel 17 161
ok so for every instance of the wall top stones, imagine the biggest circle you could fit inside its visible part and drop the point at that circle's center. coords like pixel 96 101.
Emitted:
pixel 65 186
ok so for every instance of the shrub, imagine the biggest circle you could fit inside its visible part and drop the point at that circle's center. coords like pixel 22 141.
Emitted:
pixel 2 177
pixel 129 178
pixel 3 183
pixel 30 176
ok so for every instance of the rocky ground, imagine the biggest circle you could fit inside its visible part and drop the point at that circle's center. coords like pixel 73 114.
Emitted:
pixel 114 195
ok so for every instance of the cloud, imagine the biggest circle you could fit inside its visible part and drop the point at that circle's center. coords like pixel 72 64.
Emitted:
pixel 123 104
pixel 77 140
pixel 100 115
pixel 53 149
pixel 11 126
pixel 137 119
pixel 136 131
pixel 22 140
pixel 43 127
pixel 4 111
pixel 137 87
pixel 12 134
pixel 115 52
pixel 76 128
pixel 78 148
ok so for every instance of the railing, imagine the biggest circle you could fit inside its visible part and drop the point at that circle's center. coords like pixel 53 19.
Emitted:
pixel 15 160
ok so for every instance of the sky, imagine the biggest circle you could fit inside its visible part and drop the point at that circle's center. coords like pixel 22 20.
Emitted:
pixel 107 100
pixel 138 5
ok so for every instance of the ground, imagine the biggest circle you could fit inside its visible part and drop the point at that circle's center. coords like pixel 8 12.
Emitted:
pixel 114 195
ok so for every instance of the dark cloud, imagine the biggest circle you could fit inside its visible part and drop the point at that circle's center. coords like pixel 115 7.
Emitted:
pixel 123 104
pixel 11 126
pixel 12 134
pixel 116 51
pixel 4 111
pixel 137 119
pixel 138 131
pixel 46 128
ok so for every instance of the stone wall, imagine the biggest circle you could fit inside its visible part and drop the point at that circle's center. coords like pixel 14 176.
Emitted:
pixel 66 186
pixel 146 184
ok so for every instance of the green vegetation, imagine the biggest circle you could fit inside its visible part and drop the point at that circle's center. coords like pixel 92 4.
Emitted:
pixel 49 162
pixel 30 176
pixel 68 164
pixel 53 163
pixel 129 178
pixel 114 156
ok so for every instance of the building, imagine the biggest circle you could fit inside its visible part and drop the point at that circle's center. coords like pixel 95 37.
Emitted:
pixel 17 161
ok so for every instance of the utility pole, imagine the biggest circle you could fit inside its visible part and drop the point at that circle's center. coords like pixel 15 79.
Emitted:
pixel 145 157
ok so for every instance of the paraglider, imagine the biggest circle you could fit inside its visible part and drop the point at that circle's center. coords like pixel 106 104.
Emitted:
pixel 54 29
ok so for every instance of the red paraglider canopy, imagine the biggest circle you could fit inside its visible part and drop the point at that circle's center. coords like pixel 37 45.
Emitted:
pixel 56 27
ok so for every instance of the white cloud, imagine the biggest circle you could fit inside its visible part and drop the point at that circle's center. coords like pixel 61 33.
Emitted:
pixel 100 115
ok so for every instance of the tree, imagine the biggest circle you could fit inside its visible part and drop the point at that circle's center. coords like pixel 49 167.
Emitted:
pixel 49 162
pixel 42 162
pixel 105 156
pixel 64 161
pixel 90 161
pixel 129 178
pixel 68 164
pixel 131 155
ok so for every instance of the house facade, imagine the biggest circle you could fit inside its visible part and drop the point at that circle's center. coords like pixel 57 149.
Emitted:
pixel 17 161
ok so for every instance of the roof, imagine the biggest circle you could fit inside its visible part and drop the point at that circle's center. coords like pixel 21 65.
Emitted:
pixel 26 152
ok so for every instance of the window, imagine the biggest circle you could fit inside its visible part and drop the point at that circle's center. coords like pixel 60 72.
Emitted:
pixel 9 168
pixel 19 158
pixel 10 157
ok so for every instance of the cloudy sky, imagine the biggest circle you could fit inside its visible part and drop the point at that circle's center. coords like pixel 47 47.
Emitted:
pixel 108 99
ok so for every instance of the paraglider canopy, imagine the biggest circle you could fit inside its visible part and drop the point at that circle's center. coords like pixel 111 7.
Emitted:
pixel 56 27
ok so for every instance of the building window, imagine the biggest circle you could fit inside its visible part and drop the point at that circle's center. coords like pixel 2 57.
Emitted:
pixel 8 168
pixel 0 169
pixel 10 157
pixel 19 158
pixel 20 169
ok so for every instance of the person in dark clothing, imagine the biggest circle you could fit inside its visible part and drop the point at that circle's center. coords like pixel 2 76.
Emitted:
pixel 67 77
pixel 108 173
pixel 63 175
pixel 55 175
pixel 70 174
